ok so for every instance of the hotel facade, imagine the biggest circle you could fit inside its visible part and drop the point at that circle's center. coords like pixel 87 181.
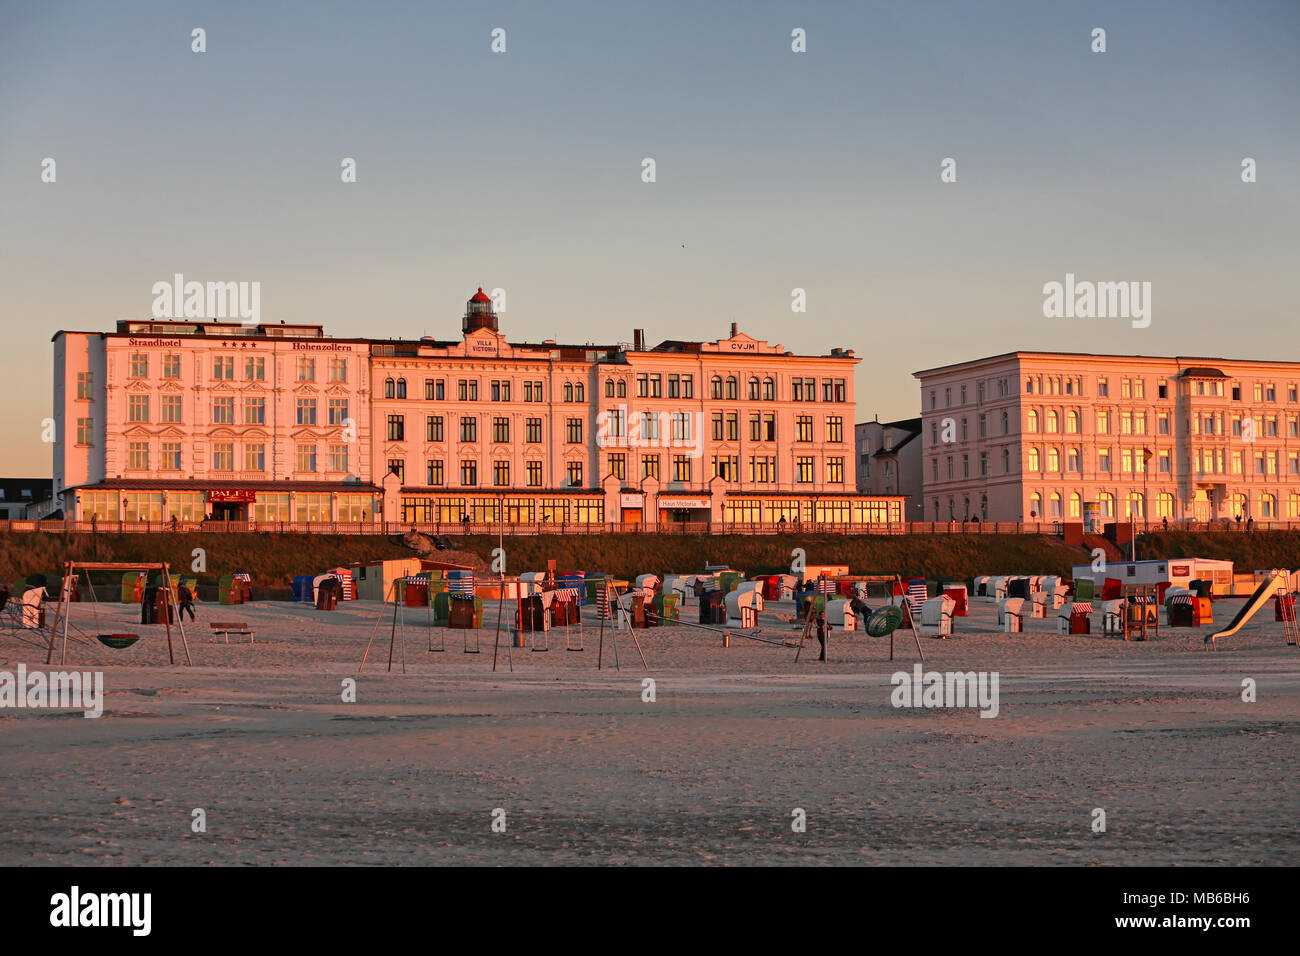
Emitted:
pixel 1029 436
pixel 281 424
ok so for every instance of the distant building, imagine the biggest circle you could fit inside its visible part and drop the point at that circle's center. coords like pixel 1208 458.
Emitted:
pixel 1062 435
pixel 889 461
pixel 26 498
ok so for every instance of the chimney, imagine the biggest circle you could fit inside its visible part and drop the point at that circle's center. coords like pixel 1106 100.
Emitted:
pixel 638 340
pixel 733 330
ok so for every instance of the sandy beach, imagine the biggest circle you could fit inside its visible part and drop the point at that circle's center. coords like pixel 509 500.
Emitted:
pixel 259 737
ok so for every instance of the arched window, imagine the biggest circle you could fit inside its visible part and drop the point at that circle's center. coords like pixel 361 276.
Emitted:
pixel 1055 504
pixel 578 391
pixel 733 387
pixel 1076 504
pixel 1072 422
pixel 1005 423
pixel 715 386
pixel 1031 424
pixel 609 388
pixel 1106 504
pixel 1035 506
pixel 1053 459
pixel 622 388
pixel 401 388
pixel 769 390
pixel 1136 508
pixel 965 512
pixel 1293 505
pixel 1267 506
pixel 1029 386
pixel 568 391
pixel 1053 422
pixel 753 389
pixel 1237 505
pixel 984 507
pixel 1031 459
pixel 1164 505
pixel 390 388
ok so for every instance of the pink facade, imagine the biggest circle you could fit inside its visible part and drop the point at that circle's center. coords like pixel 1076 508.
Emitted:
pixel 1062 436
pixel 274 423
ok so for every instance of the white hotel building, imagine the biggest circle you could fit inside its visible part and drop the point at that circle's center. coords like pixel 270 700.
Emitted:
pixel 276 423
pixel 1029 436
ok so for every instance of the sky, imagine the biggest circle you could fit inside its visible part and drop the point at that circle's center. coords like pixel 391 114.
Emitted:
pixel 774 170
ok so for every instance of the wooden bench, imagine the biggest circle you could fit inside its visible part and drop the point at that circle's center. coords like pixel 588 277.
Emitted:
pixel 227 628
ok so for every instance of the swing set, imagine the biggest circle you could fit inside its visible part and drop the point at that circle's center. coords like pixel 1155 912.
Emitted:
pixel 63 615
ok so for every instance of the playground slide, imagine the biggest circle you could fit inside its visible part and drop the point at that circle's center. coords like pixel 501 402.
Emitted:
pixel 1253 604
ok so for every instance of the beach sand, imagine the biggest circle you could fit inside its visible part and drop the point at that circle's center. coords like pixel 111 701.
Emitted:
pixel 1155 733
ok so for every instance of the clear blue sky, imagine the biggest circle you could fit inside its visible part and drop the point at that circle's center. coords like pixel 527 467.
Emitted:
pixel 776 170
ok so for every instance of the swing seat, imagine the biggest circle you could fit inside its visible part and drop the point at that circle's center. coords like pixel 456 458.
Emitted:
pixel 118 641
pixel 884 621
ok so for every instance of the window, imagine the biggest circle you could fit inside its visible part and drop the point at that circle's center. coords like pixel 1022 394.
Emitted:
pixel 171 456
pixel 717 426
pixel 1072 422
pixel 618 466
pixel 1031 460
pixel 390 387
pixel 306 455
pixel 1103 388
pixel 1054 503
pixel 769 389
pixel 609 388
pixel 682 468
pixel 533 431
pixel 433 428
pixel 835 471
pixel 578 390
pixel 255 457
pixel 534 474
pixel 223 456
pixel 1053 422
pixel 137 408
pixel 803 428
pixel 573 431
pixel 339 458
pixel 338 370
pixel 467 390
pixel 1075 504
pixel 1006 461
pixel 681 426
pixel 254 369
pixel 650 466
pixel 397 466
pixel 435 389
pixel 574 471
pixel 254 411
pixel 397 428
pixel 401 388
pixel 469 429
pixel 139 365
pixel 1074 460
pixel 306 369
pixel 85 431
pixel 1006 423
pixel 500 473
pixel 171 366
pixel 984 463
pixel 762 470
pixel 433 472
pixel 1103 460
pixel 306 411
pixel 715 387
pixel 835 429
pixel 1031 422
pixel 86 386
pixel 501 430
pixel 138 455
pixel 171 409
pixel 223 368
pixel 726 467
pixel 805 469
pixel 338 411
pixel 1053 459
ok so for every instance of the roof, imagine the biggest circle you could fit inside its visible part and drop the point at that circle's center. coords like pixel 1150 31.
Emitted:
pixel 894 450
pixel 1105 355
pixel 480 296
pixel 1202 371
pixel 194 484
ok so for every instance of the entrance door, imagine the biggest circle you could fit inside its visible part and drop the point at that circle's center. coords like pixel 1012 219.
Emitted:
pixel 631 517
pixel 1201 506
pixel 229 511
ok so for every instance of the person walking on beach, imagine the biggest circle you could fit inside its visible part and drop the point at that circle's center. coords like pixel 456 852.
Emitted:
pixel 821 633
pixel 186 598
